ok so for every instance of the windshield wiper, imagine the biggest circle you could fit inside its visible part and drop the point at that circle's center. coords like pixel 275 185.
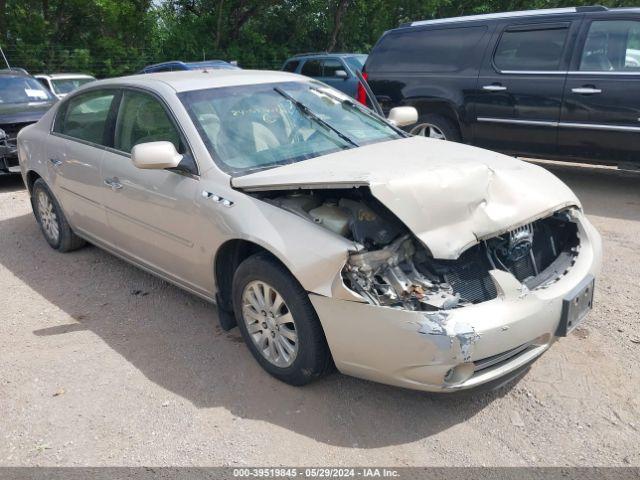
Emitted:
pixel 310 114
pixel 362 109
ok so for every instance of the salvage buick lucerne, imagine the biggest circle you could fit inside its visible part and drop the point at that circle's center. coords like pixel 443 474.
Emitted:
pixel 326 233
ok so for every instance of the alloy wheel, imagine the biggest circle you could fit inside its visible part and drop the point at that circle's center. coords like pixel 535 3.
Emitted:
pixel 428 130
pixel 48 217
pixel 269 323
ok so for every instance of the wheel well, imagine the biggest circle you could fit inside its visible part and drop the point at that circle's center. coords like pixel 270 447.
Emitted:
pixel 439 108
pixel 31 179
pixel 229 256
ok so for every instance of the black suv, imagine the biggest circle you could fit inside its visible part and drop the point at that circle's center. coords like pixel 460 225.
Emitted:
pixel 23 100
pixel 558 83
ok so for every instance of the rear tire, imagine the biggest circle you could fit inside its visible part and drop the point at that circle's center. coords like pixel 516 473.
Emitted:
pixel 436 126
pixel 278 321
pixel 50 217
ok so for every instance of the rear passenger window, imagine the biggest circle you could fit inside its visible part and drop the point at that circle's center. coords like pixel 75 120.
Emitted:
pixel 443 50
pixel 533 48
pixel 312 68
pixel 611 46
pixel 85 117
pixel 291 66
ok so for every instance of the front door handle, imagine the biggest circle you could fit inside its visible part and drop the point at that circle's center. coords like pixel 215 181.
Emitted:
pixel 586 90
pixel 494 88
pixel 113 183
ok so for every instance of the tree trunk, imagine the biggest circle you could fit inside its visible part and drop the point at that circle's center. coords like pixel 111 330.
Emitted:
pixel 219 26
pixel 3 22
pixel 337 23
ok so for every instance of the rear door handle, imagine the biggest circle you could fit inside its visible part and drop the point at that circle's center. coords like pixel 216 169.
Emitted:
pixel 113 183
pixel 494 88
pixel 586 90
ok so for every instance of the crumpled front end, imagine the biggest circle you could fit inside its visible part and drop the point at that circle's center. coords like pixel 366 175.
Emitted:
pixel 463 261
pixel 451 325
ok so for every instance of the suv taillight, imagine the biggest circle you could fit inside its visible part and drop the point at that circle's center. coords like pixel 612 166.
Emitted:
pixel 361 94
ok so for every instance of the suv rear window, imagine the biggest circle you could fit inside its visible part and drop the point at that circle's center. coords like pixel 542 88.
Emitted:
pixel 441 50
pixel 534 48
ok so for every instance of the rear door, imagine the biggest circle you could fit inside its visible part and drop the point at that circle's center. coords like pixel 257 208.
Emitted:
pixel 520 87
pixel 75 151
pixel 601 112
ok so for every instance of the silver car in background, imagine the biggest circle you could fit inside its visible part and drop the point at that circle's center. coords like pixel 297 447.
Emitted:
pixel 62 84
pixel 329 235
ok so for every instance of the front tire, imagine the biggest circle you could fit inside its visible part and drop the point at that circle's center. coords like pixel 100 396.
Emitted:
pixel 50 217
pixel 278 321
pixel 437 127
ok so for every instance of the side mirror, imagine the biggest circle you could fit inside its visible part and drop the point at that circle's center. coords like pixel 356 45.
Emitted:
pixel 340 74
pixel 155 155
pixel 403 116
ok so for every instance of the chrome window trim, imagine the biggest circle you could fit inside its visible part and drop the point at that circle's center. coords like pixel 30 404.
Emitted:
pixel 544 123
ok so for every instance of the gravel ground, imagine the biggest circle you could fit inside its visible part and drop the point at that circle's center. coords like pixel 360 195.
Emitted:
pixel 102 364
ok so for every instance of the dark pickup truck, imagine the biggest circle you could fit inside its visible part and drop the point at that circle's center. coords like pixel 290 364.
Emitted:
pixel 23 100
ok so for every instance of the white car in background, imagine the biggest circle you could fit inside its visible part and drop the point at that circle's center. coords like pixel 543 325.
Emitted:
pixel 62 84
pixel 329 235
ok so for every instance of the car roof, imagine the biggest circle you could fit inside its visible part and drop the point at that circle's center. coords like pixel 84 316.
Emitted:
pixel 14 72
pixel 501 15
pixel 189 80
pixel 326 54
pixel 201 64
pixel 54 76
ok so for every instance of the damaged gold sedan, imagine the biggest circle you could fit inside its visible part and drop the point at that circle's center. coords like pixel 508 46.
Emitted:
pixel 324 232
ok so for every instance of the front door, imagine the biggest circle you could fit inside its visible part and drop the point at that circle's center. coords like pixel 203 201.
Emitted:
pixel 332 71
pixel 519 90
pixel 153 213
pixel 75 152
pixel 601 112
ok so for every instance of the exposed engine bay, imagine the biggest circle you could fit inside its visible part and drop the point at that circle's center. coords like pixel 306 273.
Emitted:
pixel 391 267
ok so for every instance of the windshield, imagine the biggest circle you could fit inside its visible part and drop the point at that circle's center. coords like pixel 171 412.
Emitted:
pixel 262 126
pixel 68 85
pixel 356 62
pixel 22 90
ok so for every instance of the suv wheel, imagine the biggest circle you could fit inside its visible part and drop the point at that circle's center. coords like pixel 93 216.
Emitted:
pixel 436 126
pixel 278 321
pixel 53 223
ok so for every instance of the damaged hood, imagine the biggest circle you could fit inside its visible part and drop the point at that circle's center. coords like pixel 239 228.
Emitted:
pixel 449 194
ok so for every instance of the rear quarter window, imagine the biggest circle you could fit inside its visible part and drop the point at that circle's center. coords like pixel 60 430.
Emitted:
pixel 443 50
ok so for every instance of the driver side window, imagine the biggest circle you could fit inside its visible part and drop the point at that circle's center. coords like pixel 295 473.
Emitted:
pixel 141 119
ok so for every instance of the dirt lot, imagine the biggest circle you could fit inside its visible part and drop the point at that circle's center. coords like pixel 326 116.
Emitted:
pixel 102 364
